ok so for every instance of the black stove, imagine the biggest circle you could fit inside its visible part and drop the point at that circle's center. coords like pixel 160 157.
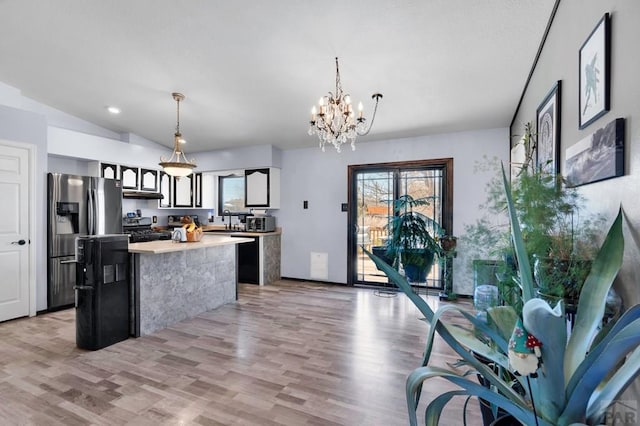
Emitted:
pixel 139 230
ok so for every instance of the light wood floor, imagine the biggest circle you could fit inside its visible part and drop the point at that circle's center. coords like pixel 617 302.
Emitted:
pixel 289 354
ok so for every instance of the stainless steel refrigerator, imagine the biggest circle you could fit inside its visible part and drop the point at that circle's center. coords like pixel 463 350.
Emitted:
pixel 77 205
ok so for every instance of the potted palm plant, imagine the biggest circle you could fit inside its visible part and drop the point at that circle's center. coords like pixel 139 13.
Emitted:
pixel 413 238
pixel 584 368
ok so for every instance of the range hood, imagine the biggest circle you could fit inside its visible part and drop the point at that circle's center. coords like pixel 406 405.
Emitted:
pixel 142 195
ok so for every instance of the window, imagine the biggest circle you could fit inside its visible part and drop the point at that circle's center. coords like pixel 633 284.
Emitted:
pixel 231 194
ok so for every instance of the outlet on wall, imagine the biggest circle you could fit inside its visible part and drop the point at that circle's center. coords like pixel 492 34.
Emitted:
pixel 154 219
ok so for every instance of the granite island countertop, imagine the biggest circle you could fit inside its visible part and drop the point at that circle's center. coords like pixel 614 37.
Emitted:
pixel 168 246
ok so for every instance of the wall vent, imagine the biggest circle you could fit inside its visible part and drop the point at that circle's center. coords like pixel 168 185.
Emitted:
pixel 319 269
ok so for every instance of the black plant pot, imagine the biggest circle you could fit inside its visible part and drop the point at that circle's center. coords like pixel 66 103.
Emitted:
pixel 381 252
pixel 506 420
pixel 486 410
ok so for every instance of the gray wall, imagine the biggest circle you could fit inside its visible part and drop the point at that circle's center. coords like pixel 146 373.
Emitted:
pixel 321 178
pixel 559 61
pixel 573 23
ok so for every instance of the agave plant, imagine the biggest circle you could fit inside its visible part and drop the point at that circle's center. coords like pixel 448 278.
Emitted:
pixel 582 373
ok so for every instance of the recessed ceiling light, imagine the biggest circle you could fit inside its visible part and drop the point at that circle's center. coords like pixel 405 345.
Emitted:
pixel 113 110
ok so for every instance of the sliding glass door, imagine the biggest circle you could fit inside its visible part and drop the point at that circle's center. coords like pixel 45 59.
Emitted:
pixel 373 188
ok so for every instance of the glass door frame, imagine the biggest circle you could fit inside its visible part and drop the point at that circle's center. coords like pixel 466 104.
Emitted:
pixel 445 164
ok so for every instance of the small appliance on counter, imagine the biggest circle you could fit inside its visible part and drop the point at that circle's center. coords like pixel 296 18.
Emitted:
pixel 179 235
pixel 260 224
pixel 139 229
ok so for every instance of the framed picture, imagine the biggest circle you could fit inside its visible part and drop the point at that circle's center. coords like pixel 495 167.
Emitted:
pixel 548 131
pixel 597 157
pixel 594 67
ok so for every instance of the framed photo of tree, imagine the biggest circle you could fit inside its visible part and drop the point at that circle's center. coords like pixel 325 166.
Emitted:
pixel 594 68
pixel 548 131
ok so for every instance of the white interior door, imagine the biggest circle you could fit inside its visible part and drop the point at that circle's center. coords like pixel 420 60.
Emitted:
pixel 14 231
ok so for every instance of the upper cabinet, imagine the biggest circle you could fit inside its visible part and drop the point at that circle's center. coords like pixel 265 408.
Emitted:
pixel 109 171
pixel 262 188
pixel 166 189
pixel 148 180
pixel 129 177
pixel 193 191
pixel 183 191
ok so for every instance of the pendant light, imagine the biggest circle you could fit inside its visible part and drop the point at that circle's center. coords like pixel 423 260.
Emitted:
pixel 177 165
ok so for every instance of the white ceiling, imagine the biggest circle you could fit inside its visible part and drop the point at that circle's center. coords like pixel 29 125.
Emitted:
pixel 252 69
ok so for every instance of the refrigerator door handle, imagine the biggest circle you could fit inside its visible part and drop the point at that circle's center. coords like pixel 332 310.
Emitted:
pixel 91 213
pixel 83 287
pixel 63 262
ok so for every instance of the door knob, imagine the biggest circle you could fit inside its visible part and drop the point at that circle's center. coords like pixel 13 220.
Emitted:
pixel 19 242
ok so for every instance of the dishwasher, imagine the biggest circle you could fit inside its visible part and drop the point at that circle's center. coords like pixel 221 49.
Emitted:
pixel 249 261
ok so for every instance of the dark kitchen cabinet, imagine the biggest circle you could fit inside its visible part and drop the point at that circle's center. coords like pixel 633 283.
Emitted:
pixel 183 191
pixel 109 171
pixel 129 177
pixel 165 184
pixel 262 188
pixel 148 180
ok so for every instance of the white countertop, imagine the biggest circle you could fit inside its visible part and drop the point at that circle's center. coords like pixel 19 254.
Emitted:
pixel 167 246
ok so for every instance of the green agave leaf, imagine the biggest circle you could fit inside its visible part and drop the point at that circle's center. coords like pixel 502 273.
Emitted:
pixel 480 326
pixel 593 296
pixel 519 411
pixel 613 387
pixel 627 318
pixel 503 319
pixel 468 339
pixel 549 326
pixel 435 407
pixel 524 267
pixel 425 309
pixel 624 342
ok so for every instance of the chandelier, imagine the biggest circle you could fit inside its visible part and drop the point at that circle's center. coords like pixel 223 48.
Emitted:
pixel 335 121
pixel 177 165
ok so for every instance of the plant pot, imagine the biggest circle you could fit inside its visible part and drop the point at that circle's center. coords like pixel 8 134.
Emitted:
pixel 561 277
pixel 417 263
pixel 448 243
pixel 381 252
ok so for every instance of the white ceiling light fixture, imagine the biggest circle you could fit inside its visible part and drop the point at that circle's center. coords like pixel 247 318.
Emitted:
pixel 335 121
pixel 177 165
pixel 113 110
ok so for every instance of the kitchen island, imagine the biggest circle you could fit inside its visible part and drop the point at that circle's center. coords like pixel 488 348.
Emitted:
pixel 177 281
